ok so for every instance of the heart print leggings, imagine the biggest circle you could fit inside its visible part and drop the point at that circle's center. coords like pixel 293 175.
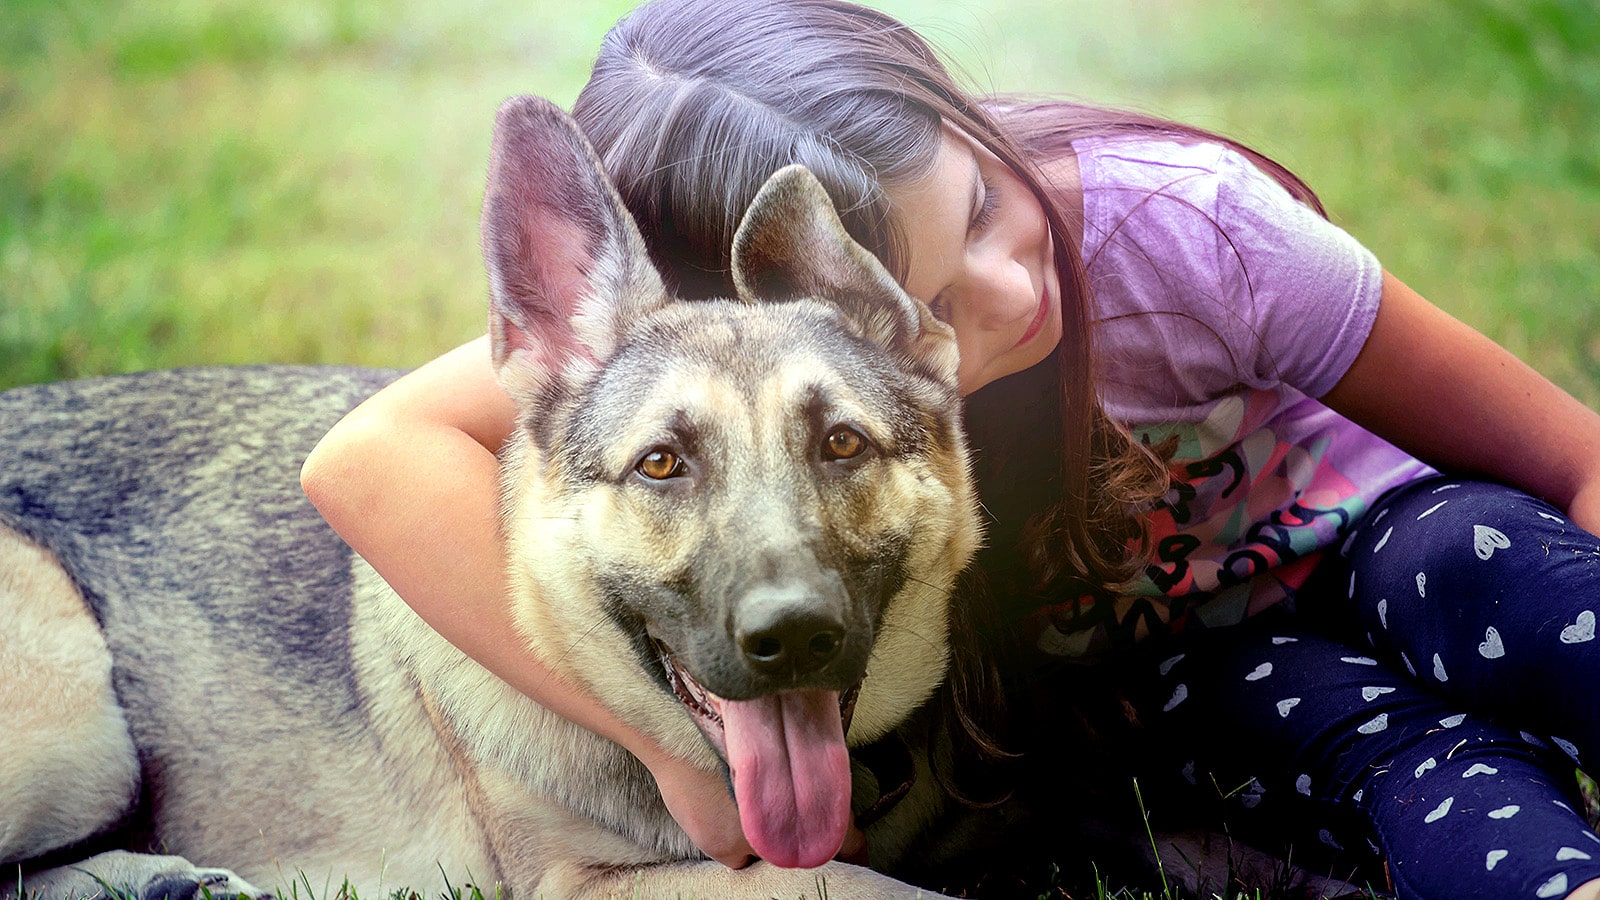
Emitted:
pixel 1447 722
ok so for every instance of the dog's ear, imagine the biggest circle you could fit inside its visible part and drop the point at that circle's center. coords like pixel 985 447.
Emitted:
pixel 568 270
pixel 791 244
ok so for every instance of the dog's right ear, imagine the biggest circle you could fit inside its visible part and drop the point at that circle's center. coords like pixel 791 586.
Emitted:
pixel 791 244
pixel 568 271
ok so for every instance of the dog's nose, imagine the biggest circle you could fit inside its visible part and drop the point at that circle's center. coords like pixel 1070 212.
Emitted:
pixel 787 630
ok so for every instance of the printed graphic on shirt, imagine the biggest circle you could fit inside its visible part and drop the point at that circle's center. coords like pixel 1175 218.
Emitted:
pixel 1256 497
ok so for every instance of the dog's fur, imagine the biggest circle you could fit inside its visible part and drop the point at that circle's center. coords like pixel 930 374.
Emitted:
pixel 774 486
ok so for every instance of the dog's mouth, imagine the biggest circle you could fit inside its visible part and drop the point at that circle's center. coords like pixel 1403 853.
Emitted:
pixel 706 707
pixel 787 757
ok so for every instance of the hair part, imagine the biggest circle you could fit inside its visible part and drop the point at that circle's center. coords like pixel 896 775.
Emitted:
pixel 692 105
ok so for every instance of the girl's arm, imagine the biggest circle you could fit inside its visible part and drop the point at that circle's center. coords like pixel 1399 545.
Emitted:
pixel 1455 399
pixel 409 479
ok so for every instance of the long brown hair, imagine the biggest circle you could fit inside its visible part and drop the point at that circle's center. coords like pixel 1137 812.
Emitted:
pixel 693 103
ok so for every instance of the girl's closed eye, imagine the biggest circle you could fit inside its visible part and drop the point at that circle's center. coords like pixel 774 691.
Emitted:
pixel 985 208
pixel 988 206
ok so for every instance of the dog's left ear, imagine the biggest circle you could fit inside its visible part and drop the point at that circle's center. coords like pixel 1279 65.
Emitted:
pixel 791 244
pixel 568 270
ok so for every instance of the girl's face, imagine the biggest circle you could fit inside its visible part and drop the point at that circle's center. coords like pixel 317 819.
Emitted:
pixel 981 257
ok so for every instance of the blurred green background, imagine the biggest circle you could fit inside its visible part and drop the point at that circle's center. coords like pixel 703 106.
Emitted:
pixel 233 181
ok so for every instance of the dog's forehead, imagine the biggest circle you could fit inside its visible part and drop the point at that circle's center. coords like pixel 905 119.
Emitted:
pixel 741 363
pixel 756 344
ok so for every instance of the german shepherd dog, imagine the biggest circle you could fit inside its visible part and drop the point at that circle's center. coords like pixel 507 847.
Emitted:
pixel 736 522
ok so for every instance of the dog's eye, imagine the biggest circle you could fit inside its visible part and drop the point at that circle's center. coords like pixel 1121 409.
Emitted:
pixel 659 464
pixel 843 442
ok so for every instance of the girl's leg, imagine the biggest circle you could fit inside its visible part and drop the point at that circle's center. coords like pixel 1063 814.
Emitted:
pixel 1489 596
pixel 1459 807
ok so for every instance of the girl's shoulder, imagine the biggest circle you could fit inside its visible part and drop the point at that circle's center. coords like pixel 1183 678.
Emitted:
pixel 1176 212
pixel 1175 183
pixel 1201 261
pixel 1151 158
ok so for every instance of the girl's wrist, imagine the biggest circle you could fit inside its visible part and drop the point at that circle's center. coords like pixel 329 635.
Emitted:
pixel 655 758
pixel 643 747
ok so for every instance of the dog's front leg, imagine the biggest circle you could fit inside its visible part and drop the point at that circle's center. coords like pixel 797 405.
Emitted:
pixel 705 879
pixel 138 876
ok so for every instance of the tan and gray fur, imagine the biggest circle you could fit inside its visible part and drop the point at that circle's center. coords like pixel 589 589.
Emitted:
pixel 193 665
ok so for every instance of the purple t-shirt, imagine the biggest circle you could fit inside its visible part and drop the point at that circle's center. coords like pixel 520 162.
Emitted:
pixel 1224 308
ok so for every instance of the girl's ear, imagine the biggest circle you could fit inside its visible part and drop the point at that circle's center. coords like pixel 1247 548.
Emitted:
pixel 791 244
pixel 568 271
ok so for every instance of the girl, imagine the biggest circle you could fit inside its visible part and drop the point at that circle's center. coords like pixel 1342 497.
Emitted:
pixel 1197 407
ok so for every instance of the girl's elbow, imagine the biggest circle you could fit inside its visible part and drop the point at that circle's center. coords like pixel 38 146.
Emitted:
pixel 316 480
pixel 333 474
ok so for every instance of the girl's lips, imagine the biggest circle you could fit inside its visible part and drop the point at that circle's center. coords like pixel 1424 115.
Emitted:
pixel 1038 318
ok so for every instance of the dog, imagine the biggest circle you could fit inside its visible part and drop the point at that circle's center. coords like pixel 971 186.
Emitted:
pixel 736 522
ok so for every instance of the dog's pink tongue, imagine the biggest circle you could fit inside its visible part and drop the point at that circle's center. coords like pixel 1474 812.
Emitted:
pixel 791 775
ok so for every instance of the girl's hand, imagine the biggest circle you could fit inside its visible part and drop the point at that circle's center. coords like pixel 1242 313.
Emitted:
pixel 703 808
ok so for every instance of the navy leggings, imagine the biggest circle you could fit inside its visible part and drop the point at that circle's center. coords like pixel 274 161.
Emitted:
pixel 1441 713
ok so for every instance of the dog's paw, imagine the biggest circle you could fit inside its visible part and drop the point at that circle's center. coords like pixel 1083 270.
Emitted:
pixel 120 875
pixel 200 884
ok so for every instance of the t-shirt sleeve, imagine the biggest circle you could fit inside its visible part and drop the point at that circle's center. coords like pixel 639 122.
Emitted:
pixel 1307 288
pixel 1209 278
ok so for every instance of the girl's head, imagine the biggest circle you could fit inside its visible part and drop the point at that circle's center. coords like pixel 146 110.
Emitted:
pixel 693 103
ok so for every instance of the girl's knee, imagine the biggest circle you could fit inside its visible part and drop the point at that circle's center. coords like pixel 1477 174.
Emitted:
pixel 1444 551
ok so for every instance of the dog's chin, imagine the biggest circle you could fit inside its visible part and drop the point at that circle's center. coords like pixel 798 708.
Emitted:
pixel 705 707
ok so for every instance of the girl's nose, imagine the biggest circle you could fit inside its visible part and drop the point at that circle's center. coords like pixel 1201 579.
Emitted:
pixel 1004 286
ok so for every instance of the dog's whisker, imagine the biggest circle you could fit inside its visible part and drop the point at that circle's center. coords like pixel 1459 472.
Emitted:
pixel 915 633
pixel 947 592
pixel 553 667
